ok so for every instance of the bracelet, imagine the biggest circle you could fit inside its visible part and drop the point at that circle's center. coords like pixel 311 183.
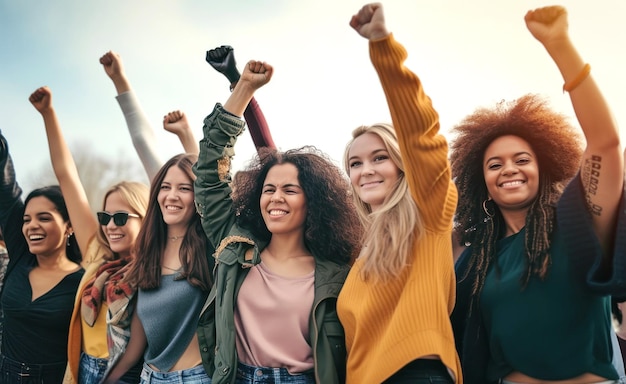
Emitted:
pixel 569 86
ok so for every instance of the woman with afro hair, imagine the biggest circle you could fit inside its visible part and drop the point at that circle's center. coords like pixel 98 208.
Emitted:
pixel 537 216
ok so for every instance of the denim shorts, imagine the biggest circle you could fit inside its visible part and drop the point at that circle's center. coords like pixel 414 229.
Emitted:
pixel 247 374
pixel 14 372
pixel 195 375
pixel 91 369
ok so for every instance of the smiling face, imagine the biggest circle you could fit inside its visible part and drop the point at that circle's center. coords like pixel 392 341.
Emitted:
pixel 44 228
pixel 120 239
pixel 176 200
pixel 283 203
pixel 373 173
pixel 511 172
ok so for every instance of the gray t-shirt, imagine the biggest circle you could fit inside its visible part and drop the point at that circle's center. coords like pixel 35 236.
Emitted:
pixel 169 315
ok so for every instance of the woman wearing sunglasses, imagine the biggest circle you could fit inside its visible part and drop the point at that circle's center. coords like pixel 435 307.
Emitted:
pixel 106 243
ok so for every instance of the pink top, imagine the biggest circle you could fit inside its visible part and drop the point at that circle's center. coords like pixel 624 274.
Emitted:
pixel 272 320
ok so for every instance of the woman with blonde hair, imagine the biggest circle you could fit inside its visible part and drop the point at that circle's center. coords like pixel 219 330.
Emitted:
pixel 99 327
pixel 398 296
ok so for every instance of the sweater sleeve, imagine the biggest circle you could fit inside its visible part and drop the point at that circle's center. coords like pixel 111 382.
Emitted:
pixel 257 125
pixel 424 150
pixel 212 184
pixel 141 132
pixel 602 276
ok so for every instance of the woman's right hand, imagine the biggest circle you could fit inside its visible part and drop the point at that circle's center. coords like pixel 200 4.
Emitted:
pixel 256 74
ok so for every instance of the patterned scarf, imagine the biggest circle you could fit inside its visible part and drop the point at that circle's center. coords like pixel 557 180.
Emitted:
pixel 108 285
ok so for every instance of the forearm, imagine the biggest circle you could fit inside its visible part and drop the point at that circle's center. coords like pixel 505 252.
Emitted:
pixel 134 351
pixel 592 110
pixel 60 155
pixel 257 126
pixel 84 223
pixel 211 187
pixel 141 133
pixel 239 98
pixel 189 142
pixel 602 167
pixel 416 123
pixel 121 83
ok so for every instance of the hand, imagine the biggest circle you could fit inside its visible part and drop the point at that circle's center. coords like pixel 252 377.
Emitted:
pixel 548 24
pixel 369 22
pixel 41 99
pixel 175 122
pixel 256 74
pixel 112 63
pixel 222 59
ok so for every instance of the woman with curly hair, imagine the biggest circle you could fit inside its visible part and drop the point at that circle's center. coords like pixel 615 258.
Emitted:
pixel 283 250
pixel 538 214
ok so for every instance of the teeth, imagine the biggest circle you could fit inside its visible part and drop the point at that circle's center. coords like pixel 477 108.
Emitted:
pixel 512 183
pixel 172 208
pixel 115 237
pixel 277 212
pixel 36 237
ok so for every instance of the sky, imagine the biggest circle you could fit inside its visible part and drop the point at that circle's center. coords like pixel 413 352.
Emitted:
pixel 468 54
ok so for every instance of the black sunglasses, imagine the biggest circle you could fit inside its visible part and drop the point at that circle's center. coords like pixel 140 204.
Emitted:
pixel 119 218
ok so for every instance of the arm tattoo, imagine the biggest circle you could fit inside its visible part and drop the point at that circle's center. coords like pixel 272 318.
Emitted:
pixel 590 178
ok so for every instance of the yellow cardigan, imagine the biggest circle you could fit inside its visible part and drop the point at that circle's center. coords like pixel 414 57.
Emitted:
pixel 75 337
pixel 390 324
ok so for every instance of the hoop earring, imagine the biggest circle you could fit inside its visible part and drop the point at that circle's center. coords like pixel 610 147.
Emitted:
pixel 489 214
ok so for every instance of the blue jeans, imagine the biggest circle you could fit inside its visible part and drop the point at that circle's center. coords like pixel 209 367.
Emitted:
pixel 422 371
pixel 195 375
pixel 14 372
pixel 91 369
pixel 247 374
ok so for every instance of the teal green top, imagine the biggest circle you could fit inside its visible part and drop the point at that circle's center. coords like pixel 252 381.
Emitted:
pixel 554 329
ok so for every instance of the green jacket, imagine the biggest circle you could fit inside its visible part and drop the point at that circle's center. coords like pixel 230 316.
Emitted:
pixel 236 251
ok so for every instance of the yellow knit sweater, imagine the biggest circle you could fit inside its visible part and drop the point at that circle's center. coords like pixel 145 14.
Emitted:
pixel 390 324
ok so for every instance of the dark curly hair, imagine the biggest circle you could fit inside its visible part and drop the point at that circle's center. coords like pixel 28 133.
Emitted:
pixel 558 148
pixel 332 228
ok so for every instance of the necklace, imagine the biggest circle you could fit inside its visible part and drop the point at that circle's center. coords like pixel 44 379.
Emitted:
pixel 174 238
pixel 172 269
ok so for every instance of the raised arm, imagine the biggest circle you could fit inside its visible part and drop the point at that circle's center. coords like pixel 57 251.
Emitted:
pixel 83 220
pixel 222 59
pixel 416 122
pixel 256 75
pixel 176 123
pixel 141 132
pixel 602 167
pixel 212 170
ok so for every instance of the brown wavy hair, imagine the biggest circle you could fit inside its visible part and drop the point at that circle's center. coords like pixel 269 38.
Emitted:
pixel 145 269
pixel 558 148
pixel 332 230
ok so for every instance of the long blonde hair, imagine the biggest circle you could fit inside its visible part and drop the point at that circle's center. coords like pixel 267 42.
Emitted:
pixel 392 230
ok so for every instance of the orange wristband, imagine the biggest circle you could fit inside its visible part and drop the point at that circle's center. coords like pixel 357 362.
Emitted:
pixel 569 86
